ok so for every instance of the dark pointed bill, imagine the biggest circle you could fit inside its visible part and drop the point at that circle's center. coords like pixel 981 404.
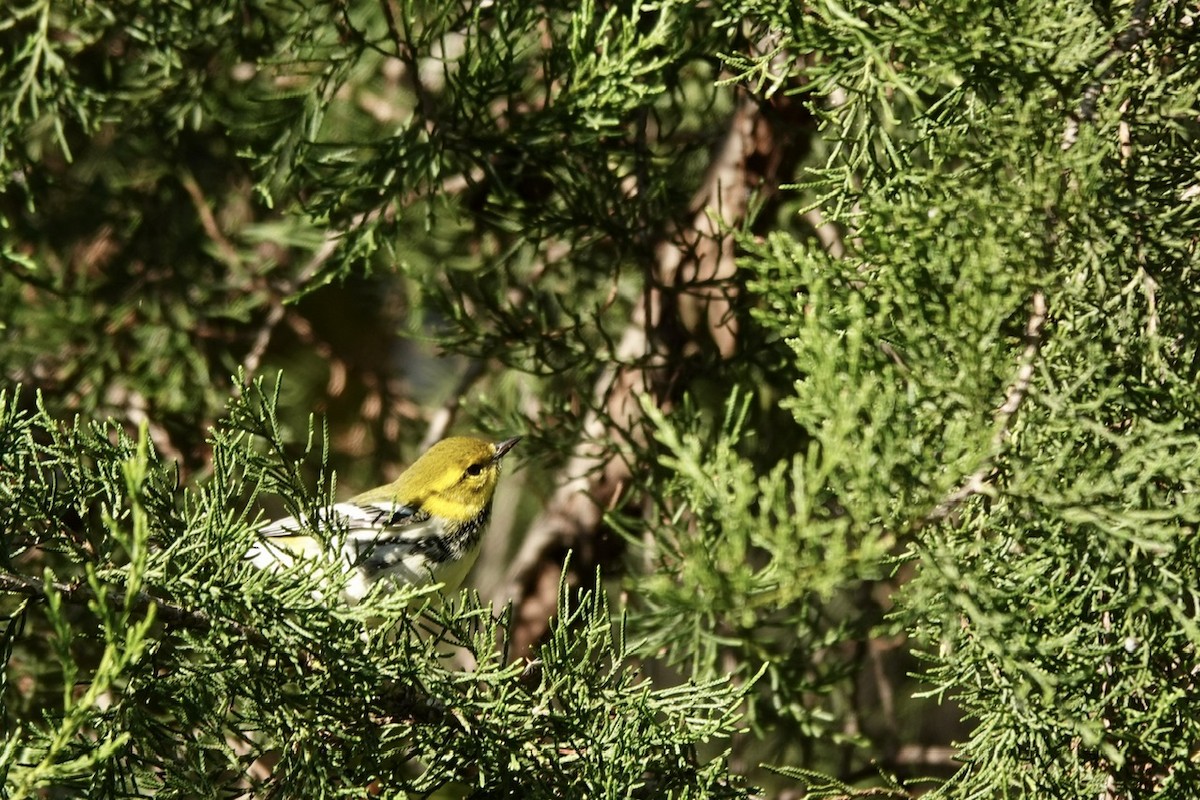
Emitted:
pixel 503 447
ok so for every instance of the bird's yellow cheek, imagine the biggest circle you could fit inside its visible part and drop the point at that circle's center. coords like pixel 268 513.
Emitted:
pixel 457 508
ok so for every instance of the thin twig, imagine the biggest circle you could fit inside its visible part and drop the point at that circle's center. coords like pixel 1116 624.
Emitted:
pixel 443 418
pixel 333 240
pixel 402 37
pixel 1134 33
pixel 826 232
pixel 1151 288
pixel 262 339
pixel 137 412
pixel 977 482
pixel 229 253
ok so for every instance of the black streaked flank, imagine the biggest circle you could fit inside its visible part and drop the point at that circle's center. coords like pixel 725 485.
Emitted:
pixel 451 544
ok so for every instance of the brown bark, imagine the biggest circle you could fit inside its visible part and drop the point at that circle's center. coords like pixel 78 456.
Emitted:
pixel 689 305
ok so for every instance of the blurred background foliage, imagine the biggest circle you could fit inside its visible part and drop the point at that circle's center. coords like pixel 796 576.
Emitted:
pixel 853 344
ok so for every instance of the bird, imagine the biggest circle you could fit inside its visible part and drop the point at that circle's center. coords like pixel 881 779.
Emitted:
pixel 423 528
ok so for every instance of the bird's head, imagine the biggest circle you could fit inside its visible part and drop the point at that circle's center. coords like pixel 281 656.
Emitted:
pixel 455 478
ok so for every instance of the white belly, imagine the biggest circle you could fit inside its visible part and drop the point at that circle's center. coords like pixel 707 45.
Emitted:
pixel 413 570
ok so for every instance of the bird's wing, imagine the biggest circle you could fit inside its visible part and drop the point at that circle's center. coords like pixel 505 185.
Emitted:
pixel 356 518
pixel 379 536
pixel 384 537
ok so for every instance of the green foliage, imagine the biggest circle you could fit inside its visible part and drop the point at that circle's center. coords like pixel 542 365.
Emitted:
pixel 941 494
pixel 202 664
pixel 772 576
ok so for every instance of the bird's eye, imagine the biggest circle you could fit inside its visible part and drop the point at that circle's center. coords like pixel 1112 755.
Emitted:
pixel 475 469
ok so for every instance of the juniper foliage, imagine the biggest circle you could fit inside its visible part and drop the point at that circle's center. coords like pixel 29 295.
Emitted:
pixel 902 392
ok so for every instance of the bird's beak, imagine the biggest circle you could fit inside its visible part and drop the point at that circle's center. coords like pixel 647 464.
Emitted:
pixel 502 448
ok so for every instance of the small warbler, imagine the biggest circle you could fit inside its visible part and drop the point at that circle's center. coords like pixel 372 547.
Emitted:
pixel 422 528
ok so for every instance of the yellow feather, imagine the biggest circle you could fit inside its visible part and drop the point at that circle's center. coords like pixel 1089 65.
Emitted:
pixel 450 486
pixel 439 481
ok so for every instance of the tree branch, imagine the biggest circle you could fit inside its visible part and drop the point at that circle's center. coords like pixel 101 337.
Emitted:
pixel 1014 396
pixel 443 418
pixel 691 282
pixel 1134 33
pixel 77 593
pixel 228 252
pixel 262 339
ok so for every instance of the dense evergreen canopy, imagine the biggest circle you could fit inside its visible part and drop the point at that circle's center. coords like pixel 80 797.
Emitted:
pixel 854 345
